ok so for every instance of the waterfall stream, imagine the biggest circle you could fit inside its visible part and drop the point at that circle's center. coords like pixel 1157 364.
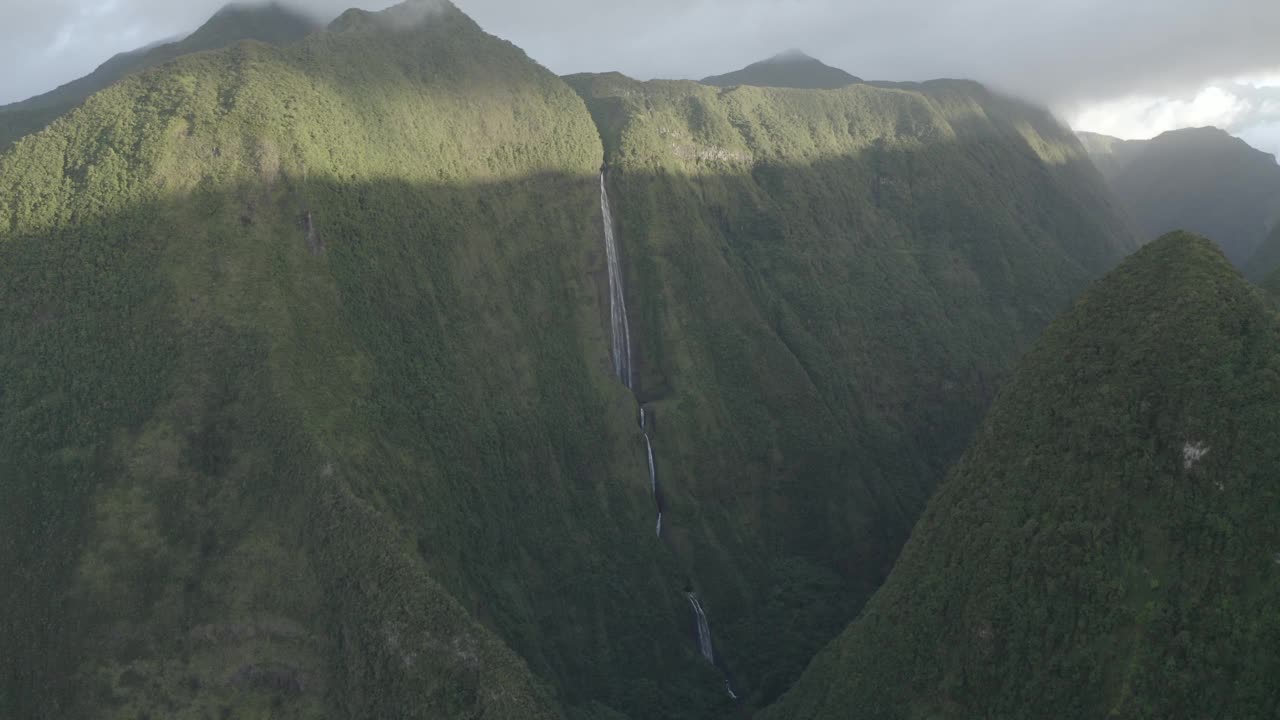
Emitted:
pixel 617 296
pixel 620 336
pixel 653 471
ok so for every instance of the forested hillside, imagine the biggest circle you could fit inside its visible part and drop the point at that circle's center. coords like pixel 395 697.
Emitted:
pixel 307 407
pixel 286 427
pixel 1110 545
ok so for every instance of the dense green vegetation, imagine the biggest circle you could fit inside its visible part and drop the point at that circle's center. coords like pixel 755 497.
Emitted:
pixel 288 431
pixel 1110 545
pixel 269 23
pixel 826 288
pixel 305 397
pixel 791 69
pixel 1200 180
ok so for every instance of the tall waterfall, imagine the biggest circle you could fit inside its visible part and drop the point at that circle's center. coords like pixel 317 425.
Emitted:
pixel 653 471
pixel 704 629
pixel 704 640
pixel 617 295
pixel 621 347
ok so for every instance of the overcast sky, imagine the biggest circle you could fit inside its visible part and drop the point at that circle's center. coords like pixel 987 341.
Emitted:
pixel 1127 67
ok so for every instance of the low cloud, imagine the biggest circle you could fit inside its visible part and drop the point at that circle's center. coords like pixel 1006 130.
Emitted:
pixel 1248 107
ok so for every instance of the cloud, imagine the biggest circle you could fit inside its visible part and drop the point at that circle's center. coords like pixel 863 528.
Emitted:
pixel 1248 107
pixel 44 43
pixel 1068 54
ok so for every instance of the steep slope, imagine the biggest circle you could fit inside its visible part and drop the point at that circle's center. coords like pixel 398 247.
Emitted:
pixel 270 23
pixel 825 288
pixel 1110 546
pixel 791 69
pixel 1267 258
pixel 306 409
pixel 1111 154
pixel 1201 180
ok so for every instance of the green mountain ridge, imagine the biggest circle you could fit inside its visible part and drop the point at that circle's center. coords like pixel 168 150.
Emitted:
pixel 1108 545
pixel 791 69
pixel 270 23
pixel 306 404
pixel 1201 180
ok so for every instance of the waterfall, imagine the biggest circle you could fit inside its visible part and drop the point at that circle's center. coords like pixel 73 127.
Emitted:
pixel 653 471
pixel 704 640
pixel 704 629
pixel 617 295
pixel 620 331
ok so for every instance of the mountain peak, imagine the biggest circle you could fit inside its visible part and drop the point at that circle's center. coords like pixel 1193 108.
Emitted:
pixel 791 56
pixel 404 16
pixel 792 69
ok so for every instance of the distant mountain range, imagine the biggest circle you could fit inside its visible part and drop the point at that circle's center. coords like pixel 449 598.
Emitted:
pixel 1199 179
pixel 792 69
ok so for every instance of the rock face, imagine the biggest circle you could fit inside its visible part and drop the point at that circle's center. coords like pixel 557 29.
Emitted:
pixel 1106 547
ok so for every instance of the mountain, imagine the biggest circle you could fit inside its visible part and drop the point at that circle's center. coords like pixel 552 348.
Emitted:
pixel 264 372
pixel 791 69
pixel 1266 259
pixel 1111 154
pixel 271 23
pixel 1110 545
pixel 827 287
pixel 309 403
pixel 1198 179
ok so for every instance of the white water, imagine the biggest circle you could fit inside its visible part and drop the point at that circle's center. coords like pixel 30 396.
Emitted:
pixel 617 296
pixel 704 639
pixel 653 477
pixel 653 470
pixel 704 629
pixel 620 330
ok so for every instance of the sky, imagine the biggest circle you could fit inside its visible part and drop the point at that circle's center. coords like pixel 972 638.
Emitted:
pixel 1132 68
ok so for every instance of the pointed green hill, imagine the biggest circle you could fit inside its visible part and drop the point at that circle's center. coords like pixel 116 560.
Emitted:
pixel 271 23
pixel 792 69
pixel 1110 545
